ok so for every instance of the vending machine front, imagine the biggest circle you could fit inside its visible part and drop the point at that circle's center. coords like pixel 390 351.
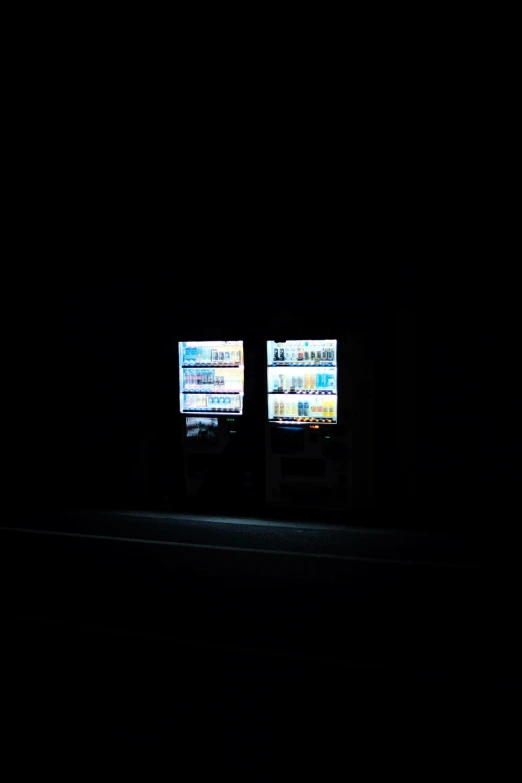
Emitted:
pixel 211 392
pixel 307 445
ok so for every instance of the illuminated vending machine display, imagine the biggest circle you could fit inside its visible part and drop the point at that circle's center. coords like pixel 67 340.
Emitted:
pixel 211 377
pixel 302 381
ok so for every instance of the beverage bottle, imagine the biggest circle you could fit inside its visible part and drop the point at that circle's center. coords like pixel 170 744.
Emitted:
pixel 312 380
pixel 300 408
pixel 276 355
pixel 299 381
pixel 331 409
pixel 307 381
pixel 282 408
pixel 319 407
pixel 331 352
pixel 276 407
pixel 294 408
pixel 275 383
pixel 300 352
pixel 306 409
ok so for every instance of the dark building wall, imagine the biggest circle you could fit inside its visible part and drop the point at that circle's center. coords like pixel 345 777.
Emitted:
pixel 92 420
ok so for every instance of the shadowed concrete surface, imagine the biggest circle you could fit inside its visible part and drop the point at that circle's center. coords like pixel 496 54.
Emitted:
pixel 246 639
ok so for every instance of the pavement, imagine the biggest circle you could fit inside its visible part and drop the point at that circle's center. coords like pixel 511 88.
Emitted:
pixel 218 624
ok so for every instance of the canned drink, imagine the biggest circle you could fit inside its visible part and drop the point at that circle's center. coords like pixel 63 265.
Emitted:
pixel 227 402
pixel 221 400
pixel 306 408
pixel 300 407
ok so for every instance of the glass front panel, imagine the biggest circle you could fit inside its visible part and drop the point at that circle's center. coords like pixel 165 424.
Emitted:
pixel 211 376
pixel 302 381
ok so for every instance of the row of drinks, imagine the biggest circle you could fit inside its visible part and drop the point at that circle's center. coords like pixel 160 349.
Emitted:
pixel 314 407
pixel 322 381
pixel 304 351
pixel 204 355
pixel 207 380
pixel 211 402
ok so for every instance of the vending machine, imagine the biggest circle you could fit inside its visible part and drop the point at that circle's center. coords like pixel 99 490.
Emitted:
pixel 307 437
pixel 211 392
